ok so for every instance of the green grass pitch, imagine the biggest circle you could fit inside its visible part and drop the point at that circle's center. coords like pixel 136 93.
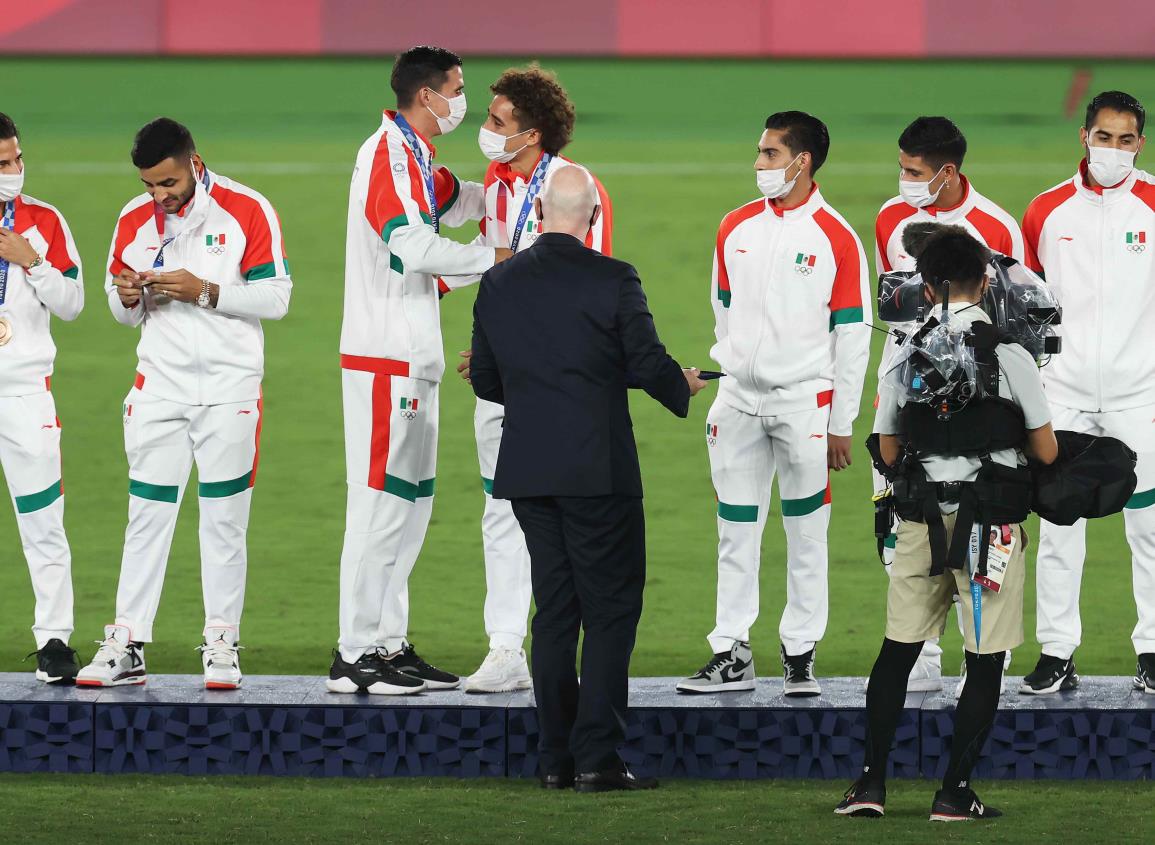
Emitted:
pixel 674 144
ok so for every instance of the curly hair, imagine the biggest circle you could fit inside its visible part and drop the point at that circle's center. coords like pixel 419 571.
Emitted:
pixel 539 102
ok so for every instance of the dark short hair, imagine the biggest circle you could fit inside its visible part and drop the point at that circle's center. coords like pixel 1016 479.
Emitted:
pixel 915 235
pixel 936 139
pixel 420 67
pixel 7 128
pixel 539 102
pixel 954 256
pixel 802 133
pixel 160 139
pixel 1117 100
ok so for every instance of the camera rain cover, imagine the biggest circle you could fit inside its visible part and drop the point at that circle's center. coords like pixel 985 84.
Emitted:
pixel 935 365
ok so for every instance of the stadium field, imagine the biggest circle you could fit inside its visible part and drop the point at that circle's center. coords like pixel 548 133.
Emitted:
pixel 674 144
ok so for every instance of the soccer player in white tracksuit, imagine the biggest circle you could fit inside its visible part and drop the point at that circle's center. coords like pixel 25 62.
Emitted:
pixel 39 278
pixel 932 189
pixel 789 293
pixel 196 263
pixel 1092 237
pixel 392 362
pixel 530 121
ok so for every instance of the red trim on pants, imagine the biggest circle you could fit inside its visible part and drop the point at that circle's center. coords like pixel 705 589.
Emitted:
pixel 825 397
pixel 260 420
pixel 139 383
pixel 380 366
pixel 379 439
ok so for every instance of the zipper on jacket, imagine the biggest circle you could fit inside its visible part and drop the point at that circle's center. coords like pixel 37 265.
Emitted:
pixel 1102 321
pixel 768 276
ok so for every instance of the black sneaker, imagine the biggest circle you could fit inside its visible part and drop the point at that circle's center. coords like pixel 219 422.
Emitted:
pixel 727 671
pixel 960 805
pixel 370 674
pixel 1145 672
pixel 798 674
pixel 56 663
pixel 863 800
pixel 410 663
pixel 1051 675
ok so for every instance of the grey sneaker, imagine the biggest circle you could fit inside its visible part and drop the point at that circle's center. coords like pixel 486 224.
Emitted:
pixel 727 671
pixel 798 674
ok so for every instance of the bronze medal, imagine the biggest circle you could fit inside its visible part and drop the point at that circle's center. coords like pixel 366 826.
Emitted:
pixel 5 331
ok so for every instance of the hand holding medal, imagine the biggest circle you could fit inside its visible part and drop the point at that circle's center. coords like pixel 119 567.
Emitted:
pixel 15 249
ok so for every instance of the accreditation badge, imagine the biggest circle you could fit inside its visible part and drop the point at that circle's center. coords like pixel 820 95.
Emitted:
pixel 1001 545
pixel 5 330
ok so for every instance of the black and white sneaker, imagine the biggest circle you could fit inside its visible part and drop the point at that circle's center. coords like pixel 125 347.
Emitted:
pixel 1145 673
pixel 56 663
pixel 798 674
pixel 727 671
pixel 409 662
pixel 961 805
pixel 370 674
pixel 1050 675
pixel 863 800
pixel 118 662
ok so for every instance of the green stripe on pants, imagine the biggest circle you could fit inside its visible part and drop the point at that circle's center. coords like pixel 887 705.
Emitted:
pixel 156 492
pixel 38 501
pixel 407 490
pixel 221 489
pixel 1144 499
pixel 487 485
pixel 738 513
pixel 803 507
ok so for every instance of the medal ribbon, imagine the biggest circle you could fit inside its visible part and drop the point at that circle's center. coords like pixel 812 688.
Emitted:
pixel 535 183
pixel 9 223
pixel 424 165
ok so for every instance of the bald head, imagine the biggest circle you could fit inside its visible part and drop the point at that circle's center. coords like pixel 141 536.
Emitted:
pixel 568 202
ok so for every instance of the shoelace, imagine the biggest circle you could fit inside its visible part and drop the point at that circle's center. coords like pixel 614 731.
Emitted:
pixel 797 667
pixel 36 653
pixel 219 653
pixel 716 662
pixel 109 650
pixel 499 657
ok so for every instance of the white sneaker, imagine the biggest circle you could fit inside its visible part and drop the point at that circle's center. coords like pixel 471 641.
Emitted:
pixel 503 670
pixel 221 658
pixel 926 676
pixel 118 661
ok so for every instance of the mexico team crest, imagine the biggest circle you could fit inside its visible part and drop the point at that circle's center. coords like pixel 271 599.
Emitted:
pixel 1136 241
pixel 408 408
pixel 215 244
pixel 711 434
pixel 804 263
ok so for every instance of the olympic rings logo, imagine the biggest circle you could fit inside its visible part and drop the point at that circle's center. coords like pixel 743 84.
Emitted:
pixel 409 415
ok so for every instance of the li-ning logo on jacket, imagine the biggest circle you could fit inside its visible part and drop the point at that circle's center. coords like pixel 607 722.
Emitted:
pixel 1136 241
pixel 804 263
pixel 408 408
pixel 215 244
pixel 712 434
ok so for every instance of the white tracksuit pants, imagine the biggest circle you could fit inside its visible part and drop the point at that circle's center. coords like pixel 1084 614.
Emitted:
pixel 162 440
pixel 391 462
pixel 1062 549
pixel 30 458
pixel 745 454
pixel 508 590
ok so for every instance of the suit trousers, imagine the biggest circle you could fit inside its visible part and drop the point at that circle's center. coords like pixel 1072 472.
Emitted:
pixel 588 569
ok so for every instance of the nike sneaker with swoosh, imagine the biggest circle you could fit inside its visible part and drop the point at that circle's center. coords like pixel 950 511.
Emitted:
pixel 1145 673
pixel 727 671
pixel 118 662
pixel 1050 675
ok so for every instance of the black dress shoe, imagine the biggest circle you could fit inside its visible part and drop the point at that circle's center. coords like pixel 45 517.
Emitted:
pixel 612 780
pixel 556 781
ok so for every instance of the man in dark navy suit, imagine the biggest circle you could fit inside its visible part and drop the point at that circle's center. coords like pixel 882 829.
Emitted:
pixel 559 334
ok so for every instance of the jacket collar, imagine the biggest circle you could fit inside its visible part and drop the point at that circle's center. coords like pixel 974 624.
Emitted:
pixel 559 239
pixel 806 208
pixel 506 173
pixel 389 118
pixel 1099 195
pixel 961 209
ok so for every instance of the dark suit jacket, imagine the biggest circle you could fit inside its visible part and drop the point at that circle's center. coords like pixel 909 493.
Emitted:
pixel 559 333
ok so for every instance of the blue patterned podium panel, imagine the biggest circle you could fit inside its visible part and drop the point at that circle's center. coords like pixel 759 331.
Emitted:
pixel 281 725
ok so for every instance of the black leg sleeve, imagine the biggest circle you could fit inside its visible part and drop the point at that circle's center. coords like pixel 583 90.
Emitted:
pixel 885 696
pixel 974 716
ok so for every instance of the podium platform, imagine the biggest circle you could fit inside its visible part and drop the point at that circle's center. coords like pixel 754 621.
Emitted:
pixel 285 725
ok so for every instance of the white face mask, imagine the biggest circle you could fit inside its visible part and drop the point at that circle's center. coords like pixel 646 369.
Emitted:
pixel 773 184
pixel 918 193
pixel 456 113
pixel 1110 166
pixel 493 145
pixel 11 184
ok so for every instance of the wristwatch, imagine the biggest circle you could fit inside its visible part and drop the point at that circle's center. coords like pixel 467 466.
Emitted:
pixel 204 300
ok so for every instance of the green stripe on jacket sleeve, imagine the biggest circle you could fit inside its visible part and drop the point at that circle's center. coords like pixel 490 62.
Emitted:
pixel 843 316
